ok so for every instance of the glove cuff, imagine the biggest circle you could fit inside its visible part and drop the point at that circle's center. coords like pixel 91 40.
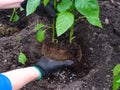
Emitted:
pixel 39 72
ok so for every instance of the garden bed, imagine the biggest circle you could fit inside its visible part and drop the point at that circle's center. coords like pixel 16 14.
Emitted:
pixel 100 51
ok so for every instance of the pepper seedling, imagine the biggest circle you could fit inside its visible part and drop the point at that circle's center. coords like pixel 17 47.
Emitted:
pixel 14 17
pixel 66 9
pixel 116 77
pixel 22 58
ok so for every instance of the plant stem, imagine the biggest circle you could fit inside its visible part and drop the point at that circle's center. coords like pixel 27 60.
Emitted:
pixel 72 28
pixel 79 18
pixel 53 24
pixel 53 30
pixel 13 13
pixel 55 4
pixel 71 34
pixel 48 28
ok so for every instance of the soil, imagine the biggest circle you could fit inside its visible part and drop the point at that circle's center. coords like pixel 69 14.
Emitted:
pixel 100 50
pixel 61 50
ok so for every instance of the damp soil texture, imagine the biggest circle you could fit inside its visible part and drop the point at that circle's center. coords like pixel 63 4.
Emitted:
pixel 100 50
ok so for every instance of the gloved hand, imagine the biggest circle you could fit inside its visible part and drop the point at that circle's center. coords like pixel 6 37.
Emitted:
pixel 46 65
pixel 42 10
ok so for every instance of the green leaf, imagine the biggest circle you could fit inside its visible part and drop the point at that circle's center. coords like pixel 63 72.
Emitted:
pixel 39 26
pixel 87 7
pixel 115 86
pixel 90 9
pixel 116 83
pixel 46 2
pixel 16 17
pixel 94 21
pixel 21 9
pixel 40 35
pixel 64 6
pixel 32 6
pixel 22 58
pixel 63 22
pixel 116 70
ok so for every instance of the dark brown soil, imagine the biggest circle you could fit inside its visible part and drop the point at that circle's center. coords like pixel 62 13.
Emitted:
pixel 100 49
pixel 61 50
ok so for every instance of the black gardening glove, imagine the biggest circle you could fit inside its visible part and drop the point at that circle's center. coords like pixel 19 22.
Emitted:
pixel 47 65
pixel 42 10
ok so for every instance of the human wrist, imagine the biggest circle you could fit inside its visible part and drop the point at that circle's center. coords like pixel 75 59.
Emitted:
pixel 40 73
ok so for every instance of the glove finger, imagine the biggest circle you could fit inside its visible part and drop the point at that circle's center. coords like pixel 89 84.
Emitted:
pixel 41 12
pixel 50 11
pixel 67 63
pixel 51 3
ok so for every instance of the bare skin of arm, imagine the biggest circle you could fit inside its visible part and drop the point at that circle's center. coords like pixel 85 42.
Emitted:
pixel 7 4
pixel 21 77
pixel 44 66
